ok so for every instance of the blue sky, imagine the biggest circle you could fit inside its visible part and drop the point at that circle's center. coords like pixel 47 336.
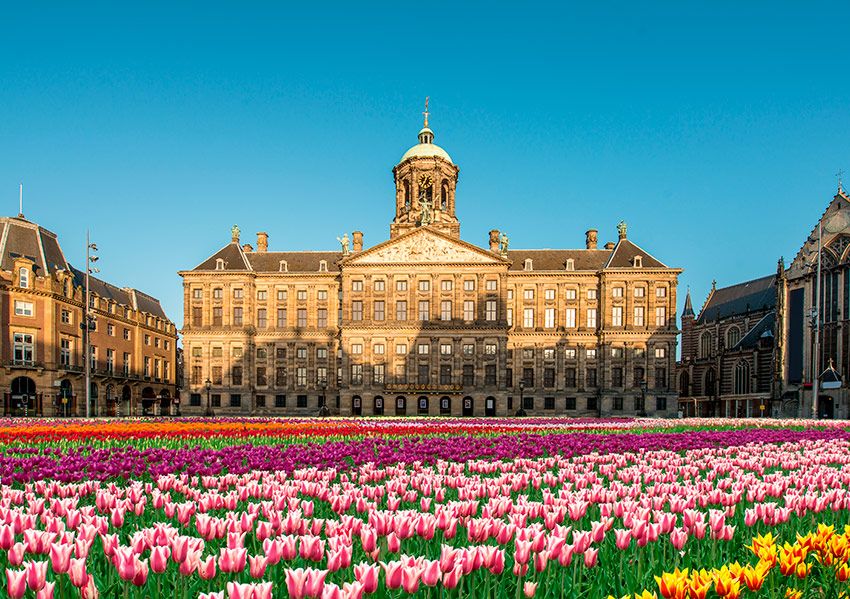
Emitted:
pixel 714 129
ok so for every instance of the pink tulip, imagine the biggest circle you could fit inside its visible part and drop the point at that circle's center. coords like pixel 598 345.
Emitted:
pixel 590 556
pixel 141 575
pixel 352 590
pixel 296 582
pixel 159 559
pixel 46 591
pixel 206 568
pixel 367 575
pixel 214 595
pixel 16 583
pixel 36 575
pixel 452 577
pixel 77 572
pixel 623 538
pixel 529 588
pixel 393 543
pixel 410 578
pixel 7 537
pixel 89 591
pixel 392 574
pixel 232 560
pixel 16 554
pixel 315 582
pixel 257 566
pixel 431 573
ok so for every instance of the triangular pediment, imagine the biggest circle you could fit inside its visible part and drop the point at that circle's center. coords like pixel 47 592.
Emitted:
pixel 424 246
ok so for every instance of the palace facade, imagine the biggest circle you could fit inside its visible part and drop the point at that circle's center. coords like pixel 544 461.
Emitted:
pixel 133 342
pixel 427 323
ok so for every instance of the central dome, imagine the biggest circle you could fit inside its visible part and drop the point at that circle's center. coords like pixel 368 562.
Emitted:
pixel 426 148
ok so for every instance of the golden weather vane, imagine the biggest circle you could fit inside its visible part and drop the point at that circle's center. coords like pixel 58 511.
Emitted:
pixel 426 113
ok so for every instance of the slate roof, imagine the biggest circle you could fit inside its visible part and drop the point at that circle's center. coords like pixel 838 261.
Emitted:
pixel 763 327
pixel 749 296
pixel 624 253
pixel 19 237
pixel 234 259
pixel 557 259
pixel 295 261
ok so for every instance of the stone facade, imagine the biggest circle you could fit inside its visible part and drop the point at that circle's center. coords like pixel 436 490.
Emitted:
pixel 42 296
pixel 426 323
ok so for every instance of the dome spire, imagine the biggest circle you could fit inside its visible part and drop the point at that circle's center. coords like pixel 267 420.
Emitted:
pixel 426 113
pixel 426 136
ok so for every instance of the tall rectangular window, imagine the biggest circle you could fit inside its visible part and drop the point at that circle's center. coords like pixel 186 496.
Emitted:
pixel 401 310
pixel 281 318
pixel 548 377
pixel 237 316
pixel 490 374
pixel 197 316
pixel 571 318
pixel 528 318
pixel 490 310
pixel 400 374
pixel 236 376
pixel 423 374
pixel 110 360
pixel 617 316
pixel 446 309
pixel 528 377
pixel 549 318
pixel 357 310
pixel 570 377
pixel 65 352
pixel 379 310
pixel 469 310
pixel 262 321
pixel 617 377
pixel 301 376
pixel 216 372
pixel 639 316
pixel 661 316
pixel 468 375
pixel 590 378
pixel 322 318
pixel 125 368
pixel 378 373
pixel 445 374
pixel 217 311
pixel 660 378
pixel 280 376
pixel 424 310
pixel 302 317
pixel 591 318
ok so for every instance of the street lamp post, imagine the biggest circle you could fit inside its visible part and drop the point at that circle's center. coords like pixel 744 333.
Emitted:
pixel 323 402
pixel 521 411
pixel 643 386
pixel 88 321
pixel 209 411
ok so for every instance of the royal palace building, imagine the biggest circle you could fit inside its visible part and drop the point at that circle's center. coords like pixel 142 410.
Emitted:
pixel 427 323
pixel 133 343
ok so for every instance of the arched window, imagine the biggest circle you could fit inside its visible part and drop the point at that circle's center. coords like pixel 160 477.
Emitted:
pixel 733 336
pixel 742 377
pixel 570 264
pixel 219 264
pixel 710 382
pixel 528 264
pixel 24 277
pixel 705 345
pixel 444 195
pixel 283 266
pixel 323 266
pixel 638 261
pixel 684 384
pixel 406 186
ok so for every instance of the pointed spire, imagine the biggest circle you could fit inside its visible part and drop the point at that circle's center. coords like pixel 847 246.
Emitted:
pixel 426 136
pixel 689 308
pixel 426 113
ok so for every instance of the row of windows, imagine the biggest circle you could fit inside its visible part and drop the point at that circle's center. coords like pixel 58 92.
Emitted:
pixel 424 374
pixel 570 317
pixel 706 341
pixel 424 285
pixel 236 400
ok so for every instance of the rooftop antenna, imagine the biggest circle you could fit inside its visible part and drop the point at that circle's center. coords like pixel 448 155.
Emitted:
pixel 21 201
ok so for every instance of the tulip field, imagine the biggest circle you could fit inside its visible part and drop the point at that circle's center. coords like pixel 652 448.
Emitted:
pixel 431 508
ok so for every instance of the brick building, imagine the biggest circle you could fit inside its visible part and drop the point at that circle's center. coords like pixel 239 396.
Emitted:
pixel 427 323
pixel 42 298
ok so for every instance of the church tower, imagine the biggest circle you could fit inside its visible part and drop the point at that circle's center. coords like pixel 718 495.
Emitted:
pixel 425 182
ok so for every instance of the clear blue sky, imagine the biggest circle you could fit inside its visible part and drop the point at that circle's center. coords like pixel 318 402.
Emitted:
pixel 715 130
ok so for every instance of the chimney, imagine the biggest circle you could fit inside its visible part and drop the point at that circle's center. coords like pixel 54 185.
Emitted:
pixel 494 241
pixel 357 241
pixel 609 245
pixel 262 242
pixel 247 248
pixel 590 239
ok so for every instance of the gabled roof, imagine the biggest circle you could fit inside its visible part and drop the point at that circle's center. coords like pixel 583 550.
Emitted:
pixel 233 256
pixel 557 259
pixel 740 299
pixel 625 252
pixel 808 251
pixel 763 328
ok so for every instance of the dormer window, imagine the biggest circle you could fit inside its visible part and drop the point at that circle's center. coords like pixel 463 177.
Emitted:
pixel 323 266
pixel 570 264
pixel 527 265
pixel 638 261
pixel 23 278
pixel 219 264
pixel 283 266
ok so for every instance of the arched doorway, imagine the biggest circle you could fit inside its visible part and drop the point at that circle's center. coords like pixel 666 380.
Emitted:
pixel 93 396
pixel 111 401
pixel 148 399
pixel 23 400
pixel 126 404
pixel 490 406
pixel 66 404
pixel 401 406
pixel 356 405
pixel 684 384
pixel 422 406
pixel 468 406
pixel 165 403
pixel 378 406
pixel 445 405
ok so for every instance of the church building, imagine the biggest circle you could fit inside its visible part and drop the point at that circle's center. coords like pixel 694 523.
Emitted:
pixel 425 323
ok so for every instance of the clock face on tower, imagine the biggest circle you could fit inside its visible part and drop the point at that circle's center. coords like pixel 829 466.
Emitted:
pixel 425 181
